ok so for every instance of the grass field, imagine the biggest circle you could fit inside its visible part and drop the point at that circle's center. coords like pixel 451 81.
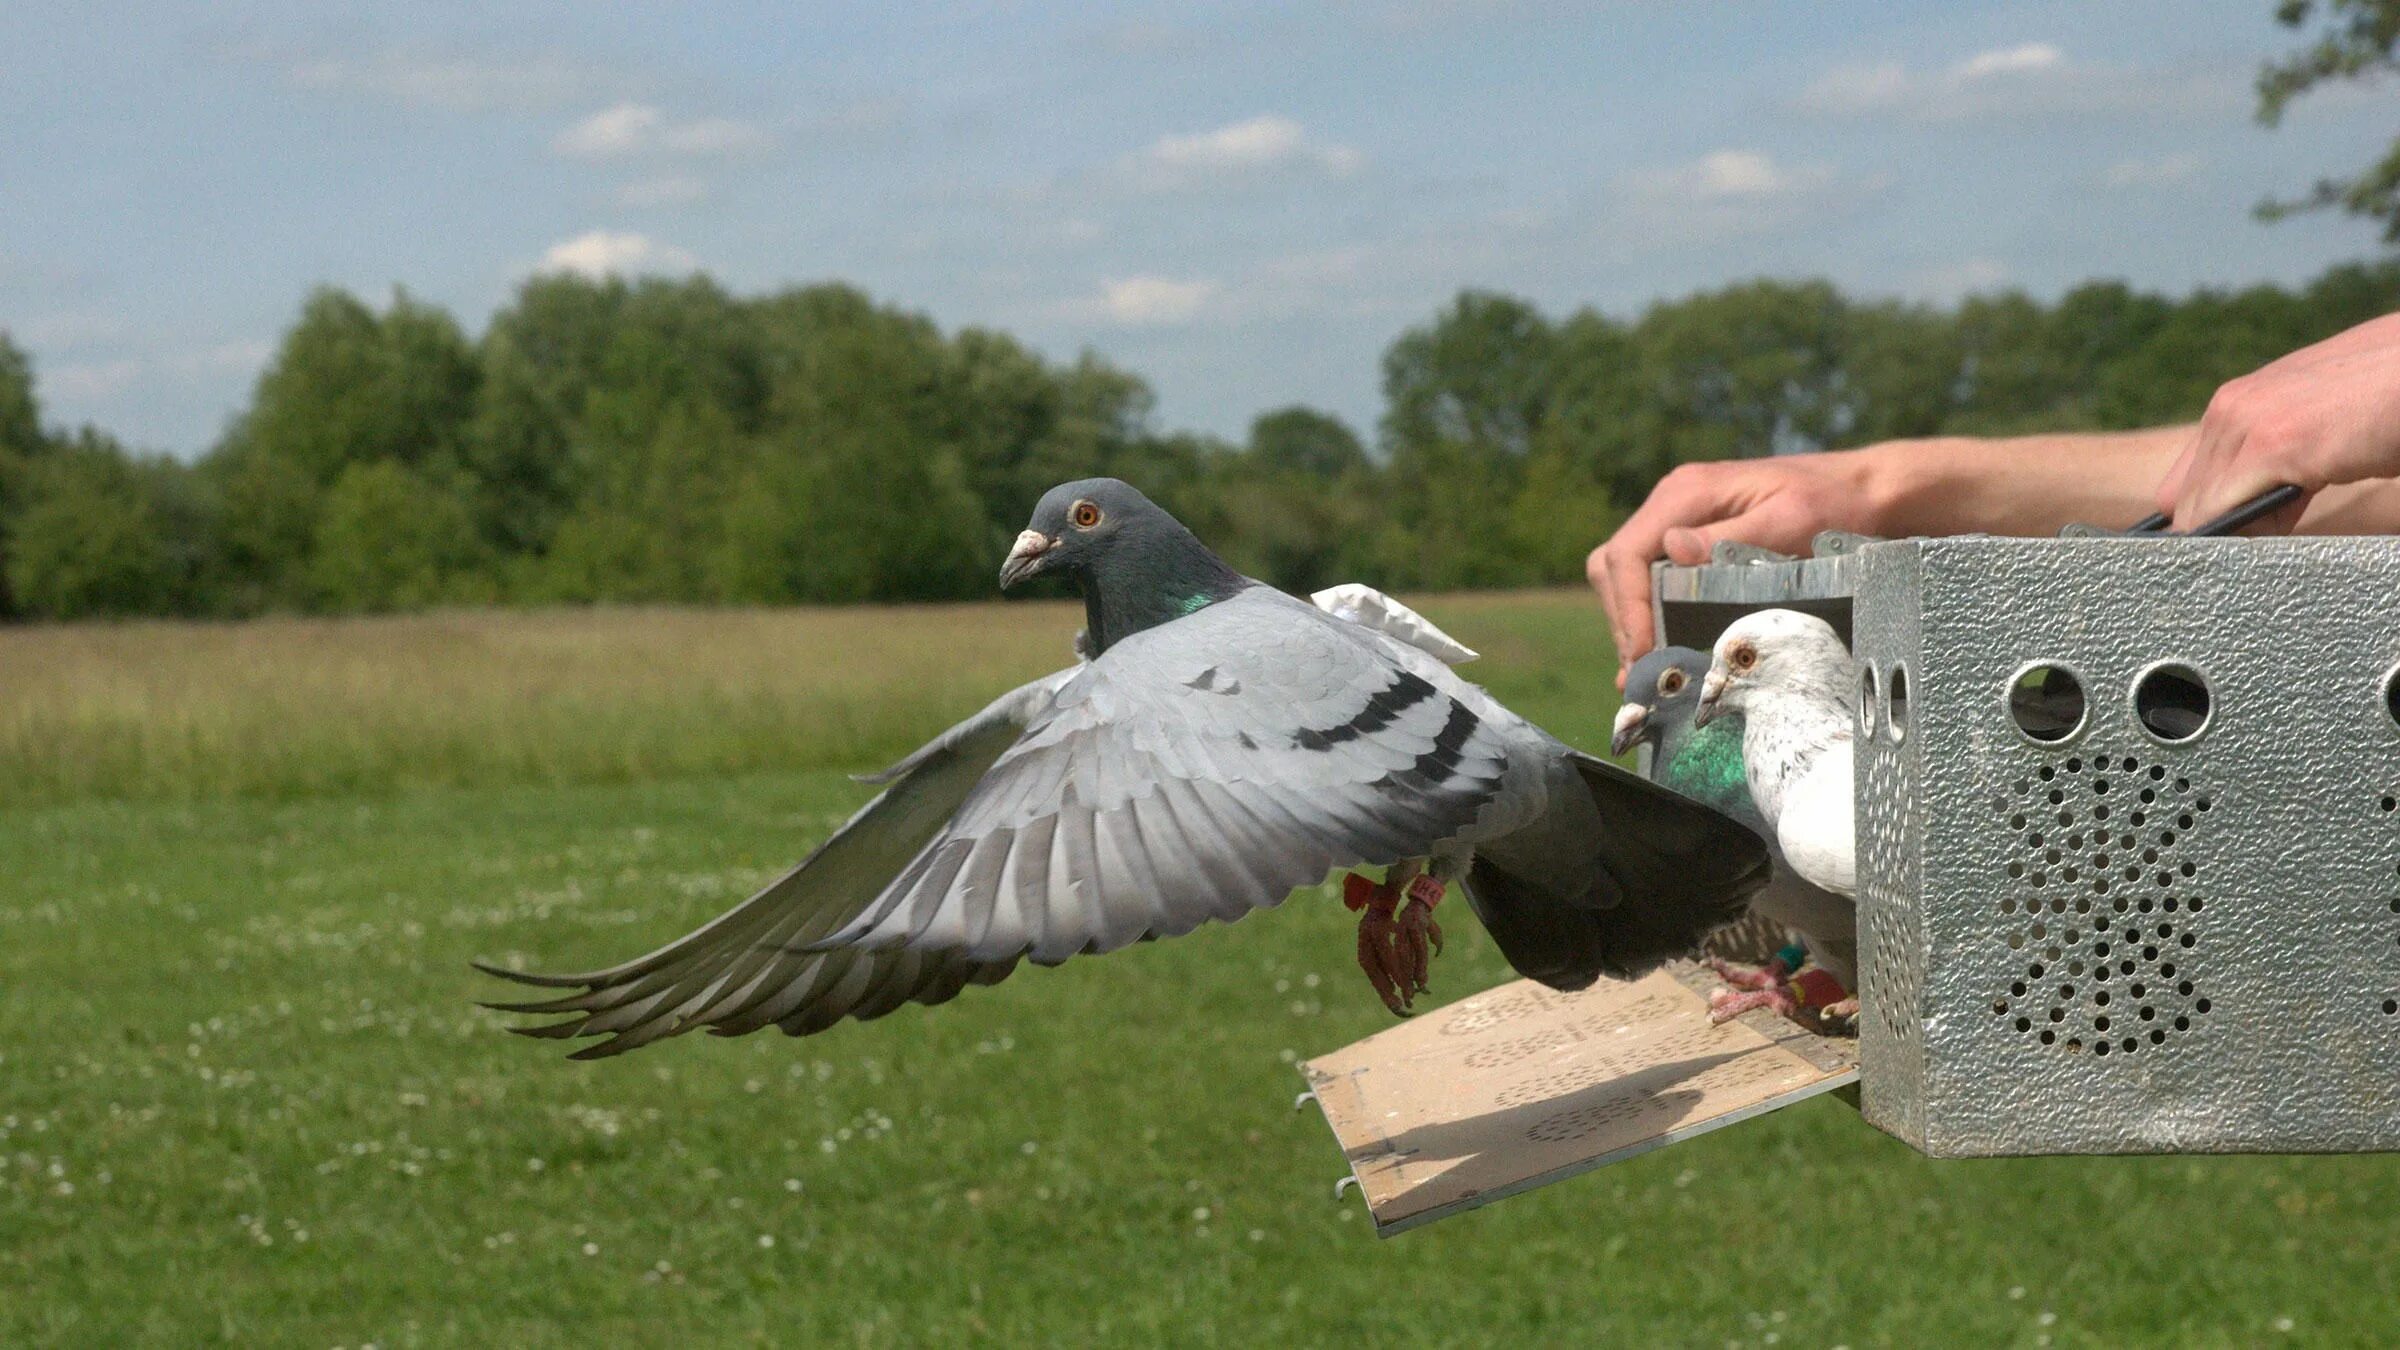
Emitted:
pixel 244 1096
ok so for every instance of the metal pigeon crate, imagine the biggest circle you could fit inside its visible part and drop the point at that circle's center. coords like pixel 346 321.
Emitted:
pixel 2129 833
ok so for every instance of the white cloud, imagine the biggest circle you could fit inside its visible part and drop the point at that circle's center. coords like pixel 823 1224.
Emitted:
pixel 1729 174
pixel 1723 176
pixel 600 253
pixel 242 356
pixel 626 130
pixel 1148 301
pixel 1258 147
pixel 72 328
pixel 1950 282
pixel 90 379
pixel 2166 171
pixel 1726 195
pixel 2028 80
pixel 458 82
pixel 2017 60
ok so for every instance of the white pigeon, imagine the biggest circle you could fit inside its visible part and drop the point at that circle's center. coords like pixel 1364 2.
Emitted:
pixel 1791 678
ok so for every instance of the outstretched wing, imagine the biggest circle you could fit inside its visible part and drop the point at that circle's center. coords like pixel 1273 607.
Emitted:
pixel 1197 770
pixel 745 970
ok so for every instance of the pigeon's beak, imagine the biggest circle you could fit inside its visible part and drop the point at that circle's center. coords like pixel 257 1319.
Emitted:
pixel 1711 689
pixel 1025 559
pixel 1632 720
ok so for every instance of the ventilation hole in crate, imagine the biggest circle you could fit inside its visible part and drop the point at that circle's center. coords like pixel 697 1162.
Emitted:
pixel 2046 703
pixel 2391 695
pixel 1896 721
pixel 2104 948
pixel 1890 938
pixel 2172 702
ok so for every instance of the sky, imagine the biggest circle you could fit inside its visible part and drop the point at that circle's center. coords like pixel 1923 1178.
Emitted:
pixel 1243 203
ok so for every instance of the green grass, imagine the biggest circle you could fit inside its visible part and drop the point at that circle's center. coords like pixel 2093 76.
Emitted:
pixel 244 1097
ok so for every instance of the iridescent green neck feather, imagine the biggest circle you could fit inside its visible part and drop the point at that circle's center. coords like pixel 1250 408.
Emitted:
pixel 1705 764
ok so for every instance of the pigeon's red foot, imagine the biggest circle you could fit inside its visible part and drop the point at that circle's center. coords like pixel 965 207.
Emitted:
pixel 1769 976
pixel 1397 937
pixel 1813 998
pixel 1725 1005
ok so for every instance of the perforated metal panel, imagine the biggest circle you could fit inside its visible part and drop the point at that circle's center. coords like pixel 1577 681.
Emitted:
pixel 2168 922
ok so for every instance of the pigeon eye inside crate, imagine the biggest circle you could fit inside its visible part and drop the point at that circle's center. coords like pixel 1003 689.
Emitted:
pixel 2171 701
pixel 1896 722
pixel 2046 702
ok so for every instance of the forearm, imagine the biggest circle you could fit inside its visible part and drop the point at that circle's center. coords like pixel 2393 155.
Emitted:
pixel 2371 506
pixel 2025 485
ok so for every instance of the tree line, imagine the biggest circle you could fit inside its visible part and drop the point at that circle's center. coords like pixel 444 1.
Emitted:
pixel 665 440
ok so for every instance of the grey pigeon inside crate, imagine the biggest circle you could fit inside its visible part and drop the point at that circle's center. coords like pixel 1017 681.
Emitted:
pixel 1662 702
pixel 1224 745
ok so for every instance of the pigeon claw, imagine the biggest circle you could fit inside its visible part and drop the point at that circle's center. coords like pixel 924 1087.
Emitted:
pixel 1725 1004
pixel 1378 957
pixel 1769 976
pixel 1397 935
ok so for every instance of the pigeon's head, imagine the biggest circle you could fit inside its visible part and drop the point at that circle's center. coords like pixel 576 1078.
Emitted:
pixel 1077 525
pixel 1773 653
pixel 1662 690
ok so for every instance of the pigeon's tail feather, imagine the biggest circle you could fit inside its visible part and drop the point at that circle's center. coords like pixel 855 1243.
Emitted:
pixel 1670 873
pixel 1558 944
pixel 1567 945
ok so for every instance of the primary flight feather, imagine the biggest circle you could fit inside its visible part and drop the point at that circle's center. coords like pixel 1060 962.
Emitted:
pixel 1224 745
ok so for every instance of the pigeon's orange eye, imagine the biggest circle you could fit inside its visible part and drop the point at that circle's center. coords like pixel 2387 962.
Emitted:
pixel 1671 681
pixel 1742 657
pixel 1084 515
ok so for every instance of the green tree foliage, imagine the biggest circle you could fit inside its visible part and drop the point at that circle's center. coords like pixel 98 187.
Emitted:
pixel 389 536
pixel 666 441
pixel 20 440
pixel 95 534
pixel 2348 40
pixel 20 415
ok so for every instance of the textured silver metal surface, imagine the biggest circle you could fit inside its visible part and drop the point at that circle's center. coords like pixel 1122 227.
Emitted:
pixel 2114 942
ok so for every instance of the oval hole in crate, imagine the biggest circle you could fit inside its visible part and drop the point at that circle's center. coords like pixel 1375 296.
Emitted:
pixel 2391 695
pixel 1896 721
pixel 2172 701
pixel 2046 702
pixel 1866 697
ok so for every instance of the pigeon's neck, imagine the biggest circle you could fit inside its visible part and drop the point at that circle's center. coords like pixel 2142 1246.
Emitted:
pixel 1157 584
pixel 1705 764
pixel 1785 736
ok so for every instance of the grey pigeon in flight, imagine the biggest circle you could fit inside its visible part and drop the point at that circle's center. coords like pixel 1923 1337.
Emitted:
pixel 1791 679
pixel 1662 701
pixel 1224 745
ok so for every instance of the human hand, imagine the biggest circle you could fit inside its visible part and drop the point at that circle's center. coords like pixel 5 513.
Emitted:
pixel 2326 414
pixel 1778 503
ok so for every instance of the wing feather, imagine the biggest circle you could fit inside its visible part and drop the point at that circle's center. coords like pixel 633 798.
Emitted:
pixel 1195 771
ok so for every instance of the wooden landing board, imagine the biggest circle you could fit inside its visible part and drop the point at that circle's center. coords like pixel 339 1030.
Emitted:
pixel 1521 1086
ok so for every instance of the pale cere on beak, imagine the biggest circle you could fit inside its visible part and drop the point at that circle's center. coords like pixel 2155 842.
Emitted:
pixel 1631 719
pixel 1025 558
pixel 1711 689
